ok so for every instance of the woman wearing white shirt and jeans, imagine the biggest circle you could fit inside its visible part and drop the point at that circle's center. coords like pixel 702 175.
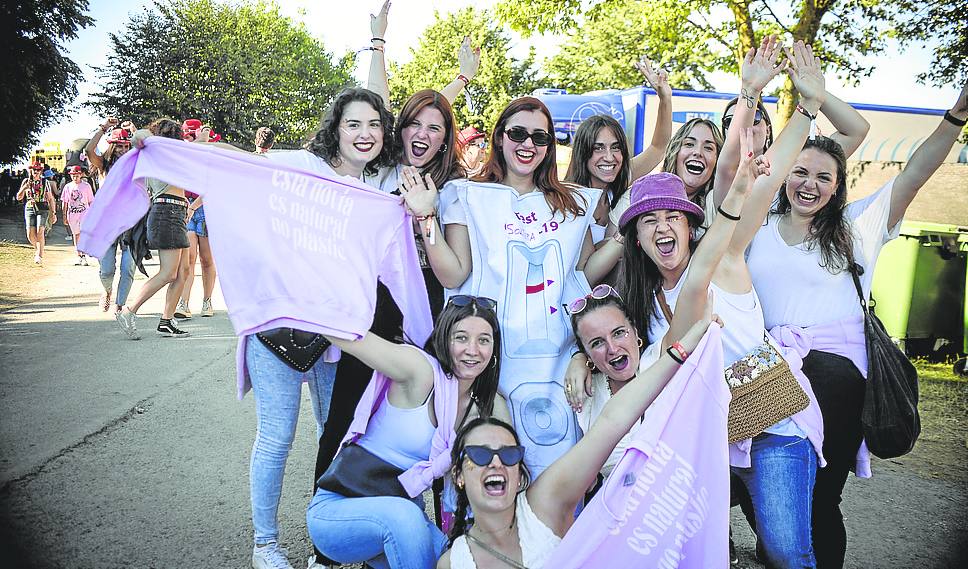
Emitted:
pixel 812 305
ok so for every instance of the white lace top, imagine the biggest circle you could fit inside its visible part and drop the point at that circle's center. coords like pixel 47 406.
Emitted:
pixel 536 539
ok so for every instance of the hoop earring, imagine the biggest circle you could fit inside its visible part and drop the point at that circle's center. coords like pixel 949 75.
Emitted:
pixel 641 342
pixel 638 243
pixel 590 365
pixel 443 148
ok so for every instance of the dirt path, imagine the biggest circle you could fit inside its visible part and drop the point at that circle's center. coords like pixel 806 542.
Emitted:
pixel 117 454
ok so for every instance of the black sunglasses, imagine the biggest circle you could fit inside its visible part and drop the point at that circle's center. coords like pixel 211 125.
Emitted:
pixel 757 119
pixel 467 299
pixel 482 456
pixel 520 134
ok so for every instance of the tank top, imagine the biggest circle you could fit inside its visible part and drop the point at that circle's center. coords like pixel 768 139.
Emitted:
pixel 537 541
pixel 399 436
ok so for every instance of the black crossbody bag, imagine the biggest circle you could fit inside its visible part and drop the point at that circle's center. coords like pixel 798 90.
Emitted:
pixel 298 349
pixel 890 416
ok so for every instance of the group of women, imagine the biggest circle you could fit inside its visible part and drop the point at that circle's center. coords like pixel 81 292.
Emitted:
pixel 534 322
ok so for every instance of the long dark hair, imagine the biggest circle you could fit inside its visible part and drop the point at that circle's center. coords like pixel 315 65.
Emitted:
pixel 829 227
pixel 583 147
pixel 675 145
pixel 560 197
pixel 444 166
pixel 457 454
pixel 484 388
pixel 766 116
pixel 325 143
pixel 641 279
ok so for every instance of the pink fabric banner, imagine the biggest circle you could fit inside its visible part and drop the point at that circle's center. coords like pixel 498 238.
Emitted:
pixel 666 504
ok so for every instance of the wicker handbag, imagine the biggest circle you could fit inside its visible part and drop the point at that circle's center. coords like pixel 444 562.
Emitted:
pixel 764 390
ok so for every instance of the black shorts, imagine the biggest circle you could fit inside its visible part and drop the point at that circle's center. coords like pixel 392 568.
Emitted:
pixel 166 225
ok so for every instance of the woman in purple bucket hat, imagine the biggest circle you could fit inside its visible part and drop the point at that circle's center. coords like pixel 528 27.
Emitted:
pixel 667 269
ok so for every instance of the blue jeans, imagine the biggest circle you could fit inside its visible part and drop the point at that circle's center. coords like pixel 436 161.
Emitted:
pixel 108 262
pixel 780 483
pixel 278 389
pixel 383 531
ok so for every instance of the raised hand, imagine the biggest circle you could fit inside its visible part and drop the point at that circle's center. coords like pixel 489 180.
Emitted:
pixel 109 123
pixel 378 21
pixel 658 79
pixel 804 71
pixel 760 66
pixel 419 193
pixel 469 58
pixel 750 167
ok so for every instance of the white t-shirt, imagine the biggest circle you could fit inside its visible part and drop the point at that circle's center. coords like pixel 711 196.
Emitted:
pixel 386 179
pixel 794 288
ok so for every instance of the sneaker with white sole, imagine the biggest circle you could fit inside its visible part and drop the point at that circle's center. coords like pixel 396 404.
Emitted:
pixel 182 311
pixel 270 556
pixel 168 329
pixel 126 321
pixel 313 564
pixel 37 259
pixel 207 310
pixel 79 261
pixel 84 261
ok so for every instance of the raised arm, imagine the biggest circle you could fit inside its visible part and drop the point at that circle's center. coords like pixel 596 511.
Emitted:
pixel 804 70
pixel 469 61
pixel 596 263
pixel 90 149
pixel 758 69
pixel 851 127
pixel 401 363
pixel 554 495
pixel 377 80
pixel 928 158
pixel 648 159
pixel 450 256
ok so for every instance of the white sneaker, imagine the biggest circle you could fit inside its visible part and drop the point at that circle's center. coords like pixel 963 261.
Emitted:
pixel 84 261
pixel 207 309
pixel 182 312
pixel 37 259
pixel 126 321
pixel 270 556
pixel 79 261
pixel 314 565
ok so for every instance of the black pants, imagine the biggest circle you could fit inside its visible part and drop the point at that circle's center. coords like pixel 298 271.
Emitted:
pixel 353 376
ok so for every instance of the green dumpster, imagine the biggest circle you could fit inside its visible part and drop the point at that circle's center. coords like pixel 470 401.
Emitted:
pixel 919 288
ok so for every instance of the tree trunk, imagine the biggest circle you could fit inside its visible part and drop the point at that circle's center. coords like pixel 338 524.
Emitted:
pixel 744 28
pixel 806 28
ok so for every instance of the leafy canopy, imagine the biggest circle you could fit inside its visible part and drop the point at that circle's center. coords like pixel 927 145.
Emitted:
pixel 434 65
pixel 236 67
pixel 39 81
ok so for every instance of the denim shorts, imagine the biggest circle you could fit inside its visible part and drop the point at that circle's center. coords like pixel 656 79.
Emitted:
pixel 166 226
pixel 35 218
pixel 197 223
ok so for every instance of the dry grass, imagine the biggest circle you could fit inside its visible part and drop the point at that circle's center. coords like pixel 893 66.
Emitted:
pixel 16 267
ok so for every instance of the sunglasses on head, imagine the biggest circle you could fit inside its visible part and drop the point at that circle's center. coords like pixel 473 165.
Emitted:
pixel 467 299
pixel 482 456
pixel 520 134
pixel 757 119
pixel 599 292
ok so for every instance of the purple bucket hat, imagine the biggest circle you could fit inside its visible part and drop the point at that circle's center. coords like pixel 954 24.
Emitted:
pixel 658 191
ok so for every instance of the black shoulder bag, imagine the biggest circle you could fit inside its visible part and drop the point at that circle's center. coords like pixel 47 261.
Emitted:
pixel 890 416
pixel 298 349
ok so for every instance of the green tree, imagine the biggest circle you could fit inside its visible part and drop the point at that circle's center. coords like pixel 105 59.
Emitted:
pixel 238 67
pixel 694 37
pixel 434 65
pixel 944 24
pixel 39 81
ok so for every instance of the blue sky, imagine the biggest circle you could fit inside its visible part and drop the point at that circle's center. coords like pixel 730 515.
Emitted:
pixel 892 82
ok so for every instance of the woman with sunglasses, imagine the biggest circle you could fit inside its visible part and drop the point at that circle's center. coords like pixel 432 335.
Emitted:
pixel 759 68
pixel 408 418
pixel 777 466
pixel 517 234
pixel 600 153
pixel 119 142
pixel 519 520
